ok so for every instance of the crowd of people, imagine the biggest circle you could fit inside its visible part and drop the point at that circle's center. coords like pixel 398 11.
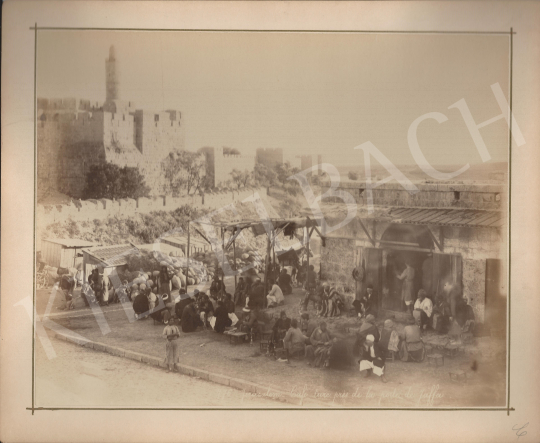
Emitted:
pixel 217 310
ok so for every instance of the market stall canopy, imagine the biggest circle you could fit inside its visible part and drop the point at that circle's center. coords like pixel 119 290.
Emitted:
pixel 258 226
pixel 108 256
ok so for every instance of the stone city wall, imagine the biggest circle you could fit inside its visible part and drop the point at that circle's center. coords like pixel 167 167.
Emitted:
pixel 69 142
pixel 87 210
pixel 442 195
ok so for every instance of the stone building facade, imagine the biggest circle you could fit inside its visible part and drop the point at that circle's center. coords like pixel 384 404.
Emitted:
pixel 220 165
pixel 452 234
pixel 74 134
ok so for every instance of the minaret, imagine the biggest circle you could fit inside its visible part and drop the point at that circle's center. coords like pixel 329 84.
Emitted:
pixel 111 75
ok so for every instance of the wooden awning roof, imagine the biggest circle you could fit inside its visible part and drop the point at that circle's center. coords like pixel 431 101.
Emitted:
pixel 445 217
pixel 114 255
pixel 277 223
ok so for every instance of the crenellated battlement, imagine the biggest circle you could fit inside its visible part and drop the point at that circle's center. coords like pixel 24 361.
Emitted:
pixel 74 134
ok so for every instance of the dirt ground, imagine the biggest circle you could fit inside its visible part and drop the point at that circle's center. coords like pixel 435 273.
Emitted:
pixel 79 377
pixel 415 385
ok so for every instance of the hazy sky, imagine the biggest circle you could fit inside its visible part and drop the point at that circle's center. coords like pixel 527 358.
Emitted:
pixel 303 92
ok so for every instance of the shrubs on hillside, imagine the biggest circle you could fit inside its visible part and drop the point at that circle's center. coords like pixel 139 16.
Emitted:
pixel 139 229
pixel 107 180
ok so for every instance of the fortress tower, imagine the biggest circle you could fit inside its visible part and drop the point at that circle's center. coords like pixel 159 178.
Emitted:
pixel 111 76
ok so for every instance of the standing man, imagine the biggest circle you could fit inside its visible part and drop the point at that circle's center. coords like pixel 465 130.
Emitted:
pixel 407 289
pixel 310 284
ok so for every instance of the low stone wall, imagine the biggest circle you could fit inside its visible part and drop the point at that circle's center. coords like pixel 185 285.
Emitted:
pixel 88 210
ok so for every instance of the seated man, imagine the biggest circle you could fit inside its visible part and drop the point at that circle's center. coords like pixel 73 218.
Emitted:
pixel 368 327
pixel 285 282
pixel 190 318
pixel 222 318
pixel 250 323
pixel 372 359
pixel 181 305
pixel 369 302
pixel 216 287
pixel 294 341
pixel 256 295
pixel 206 310
pixel 441 315
pixel 229 304
pixel 389 337
pixel 465 316
pixel 275 296
pixel 281 326
pixel 318 352
pixel 423 308
pixel 334 302
pixel 67 285
pixel 140 304
pixel 304 323
pixel 412 347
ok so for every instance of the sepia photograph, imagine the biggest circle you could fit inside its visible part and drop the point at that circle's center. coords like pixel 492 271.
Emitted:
pixel 268 220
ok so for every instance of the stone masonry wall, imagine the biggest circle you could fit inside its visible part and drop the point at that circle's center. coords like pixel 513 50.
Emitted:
pixel 441 195
pixel 474 245
pixel 72 135
pixel 87 210
pixel 474 285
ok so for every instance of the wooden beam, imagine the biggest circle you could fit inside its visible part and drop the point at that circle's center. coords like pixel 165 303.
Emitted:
pixel 323 238
pixel 435 239
pixel 367 233
pixel 202 235
pixel 233 237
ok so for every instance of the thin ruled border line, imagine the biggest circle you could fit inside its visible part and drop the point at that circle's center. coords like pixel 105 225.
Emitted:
pixel 47 28
pixel 34 233
pixel 54 28
pixel 270 409
pixel 508 320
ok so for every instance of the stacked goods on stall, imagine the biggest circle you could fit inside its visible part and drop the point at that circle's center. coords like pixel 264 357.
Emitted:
pixel 147 264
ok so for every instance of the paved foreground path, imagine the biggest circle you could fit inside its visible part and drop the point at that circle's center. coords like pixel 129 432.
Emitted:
pixel 81 377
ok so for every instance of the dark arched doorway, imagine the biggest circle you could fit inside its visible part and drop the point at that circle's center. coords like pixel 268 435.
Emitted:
pixel 404 244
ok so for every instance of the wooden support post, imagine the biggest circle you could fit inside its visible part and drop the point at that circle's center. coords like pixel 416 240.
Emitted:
pixel 274 250
pixel 84 269
pixel 234 254
pixel 222 257
pixel 307 250
pixel 266 264
pixel 187 255
pixel 367 233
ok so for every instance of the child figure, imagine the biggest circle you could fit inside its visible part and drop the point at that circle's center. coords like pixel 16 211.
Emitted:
pixel 304 323
pixel 171 333
pixel 152 298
